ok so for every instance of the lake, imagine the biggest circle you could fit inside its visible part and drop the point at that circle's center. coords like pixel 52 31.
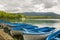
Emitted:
pixel 44 23
pixel 41 22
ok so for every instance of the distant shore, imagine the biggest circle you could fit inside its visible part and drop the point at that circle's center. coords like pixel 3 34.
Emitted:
pixel 42 19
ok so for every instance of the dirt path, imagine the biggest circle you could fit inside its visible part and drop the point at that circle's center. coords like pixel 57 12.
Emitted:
pixel 5 36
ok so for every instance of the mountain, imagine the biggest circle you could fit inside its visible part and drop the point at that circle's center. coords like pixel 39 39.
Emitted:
pixel 40 14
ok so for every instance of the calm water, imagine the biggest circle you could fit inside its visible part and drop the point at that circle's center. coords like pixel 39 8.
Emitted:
pixel 40 22
pixel 44 23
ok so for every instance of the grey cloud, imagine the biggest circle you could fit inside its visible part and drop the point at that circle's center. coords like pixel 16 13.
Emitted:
pixel 27 5
pixel 47 3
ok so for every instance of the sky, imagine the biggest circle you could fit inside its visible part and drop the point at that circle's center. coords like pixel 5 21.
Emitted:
pixel 30 6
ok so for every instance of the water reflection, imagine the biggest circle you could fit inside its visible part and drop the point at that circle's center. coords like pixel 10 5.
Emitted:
pixel 44 23
pixel 40 23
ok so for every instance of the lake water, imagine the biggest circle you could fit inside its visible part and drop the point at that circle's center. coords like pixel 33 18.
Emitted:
pixel 41 22
pixel 44 23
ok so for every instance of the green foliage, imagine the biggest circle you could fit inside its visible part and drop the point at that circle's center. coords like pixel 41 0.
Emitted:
pixel 43 17
pixel 9 15
pixel 38 17
pixel 5 15
pixel 15 16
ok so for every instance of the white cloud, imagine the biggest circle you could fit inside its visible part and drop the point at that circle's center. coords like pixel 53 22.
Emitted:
pixel 30 5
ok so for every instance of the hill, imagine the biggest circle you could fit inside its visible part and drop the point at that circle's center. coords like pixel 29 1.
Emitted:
pixel 40 14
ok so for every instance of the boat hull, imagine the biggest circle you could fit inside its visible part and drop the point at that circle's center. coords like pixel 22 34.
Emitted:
pixel 34 37
pixel 13 32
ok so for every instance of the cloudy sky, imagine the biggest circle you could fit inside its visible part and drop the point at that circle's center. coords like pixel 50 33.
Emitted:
pixel 30 5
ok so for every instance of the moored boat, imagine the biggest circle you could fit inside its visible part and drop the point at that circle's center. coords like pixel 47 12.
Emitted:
pixel 38 34
pixel 54 36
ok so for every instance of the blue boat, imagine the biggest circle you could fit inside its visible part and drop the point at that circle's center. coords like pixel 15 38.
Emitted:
pixel 39 30
pixel 23 25
pixel 38 34
pixel 17 27
pixel 16 31
pixel 54 36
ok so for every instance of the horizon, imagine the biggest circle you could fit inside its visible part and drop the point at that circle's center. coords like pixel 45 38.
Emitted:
pixel 31 12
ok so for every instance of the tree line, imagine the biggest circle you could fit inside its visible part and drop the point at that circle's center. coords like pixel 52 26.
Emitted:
pixel 10 15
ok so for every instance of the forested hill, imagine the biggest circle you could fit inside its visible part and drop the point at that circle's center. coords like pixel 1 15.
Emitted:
pixel 29 15
pixel 40 14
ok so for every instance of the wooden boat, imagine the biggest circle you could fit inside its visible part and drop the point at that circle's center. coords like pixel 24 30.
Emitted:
pixel 38 34
pixel 18 30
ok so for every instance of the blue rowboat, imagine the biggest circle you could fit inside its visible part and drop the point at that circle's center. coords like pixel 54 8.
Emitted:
pixel 38 34
pixel 23 25
pixel 18 28
pixel 54 36
pixel 16 31
pixel 42 30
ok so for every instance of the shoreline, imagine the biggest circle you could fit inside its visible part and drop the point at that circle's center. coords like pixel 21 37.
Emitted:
pixel 42 19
